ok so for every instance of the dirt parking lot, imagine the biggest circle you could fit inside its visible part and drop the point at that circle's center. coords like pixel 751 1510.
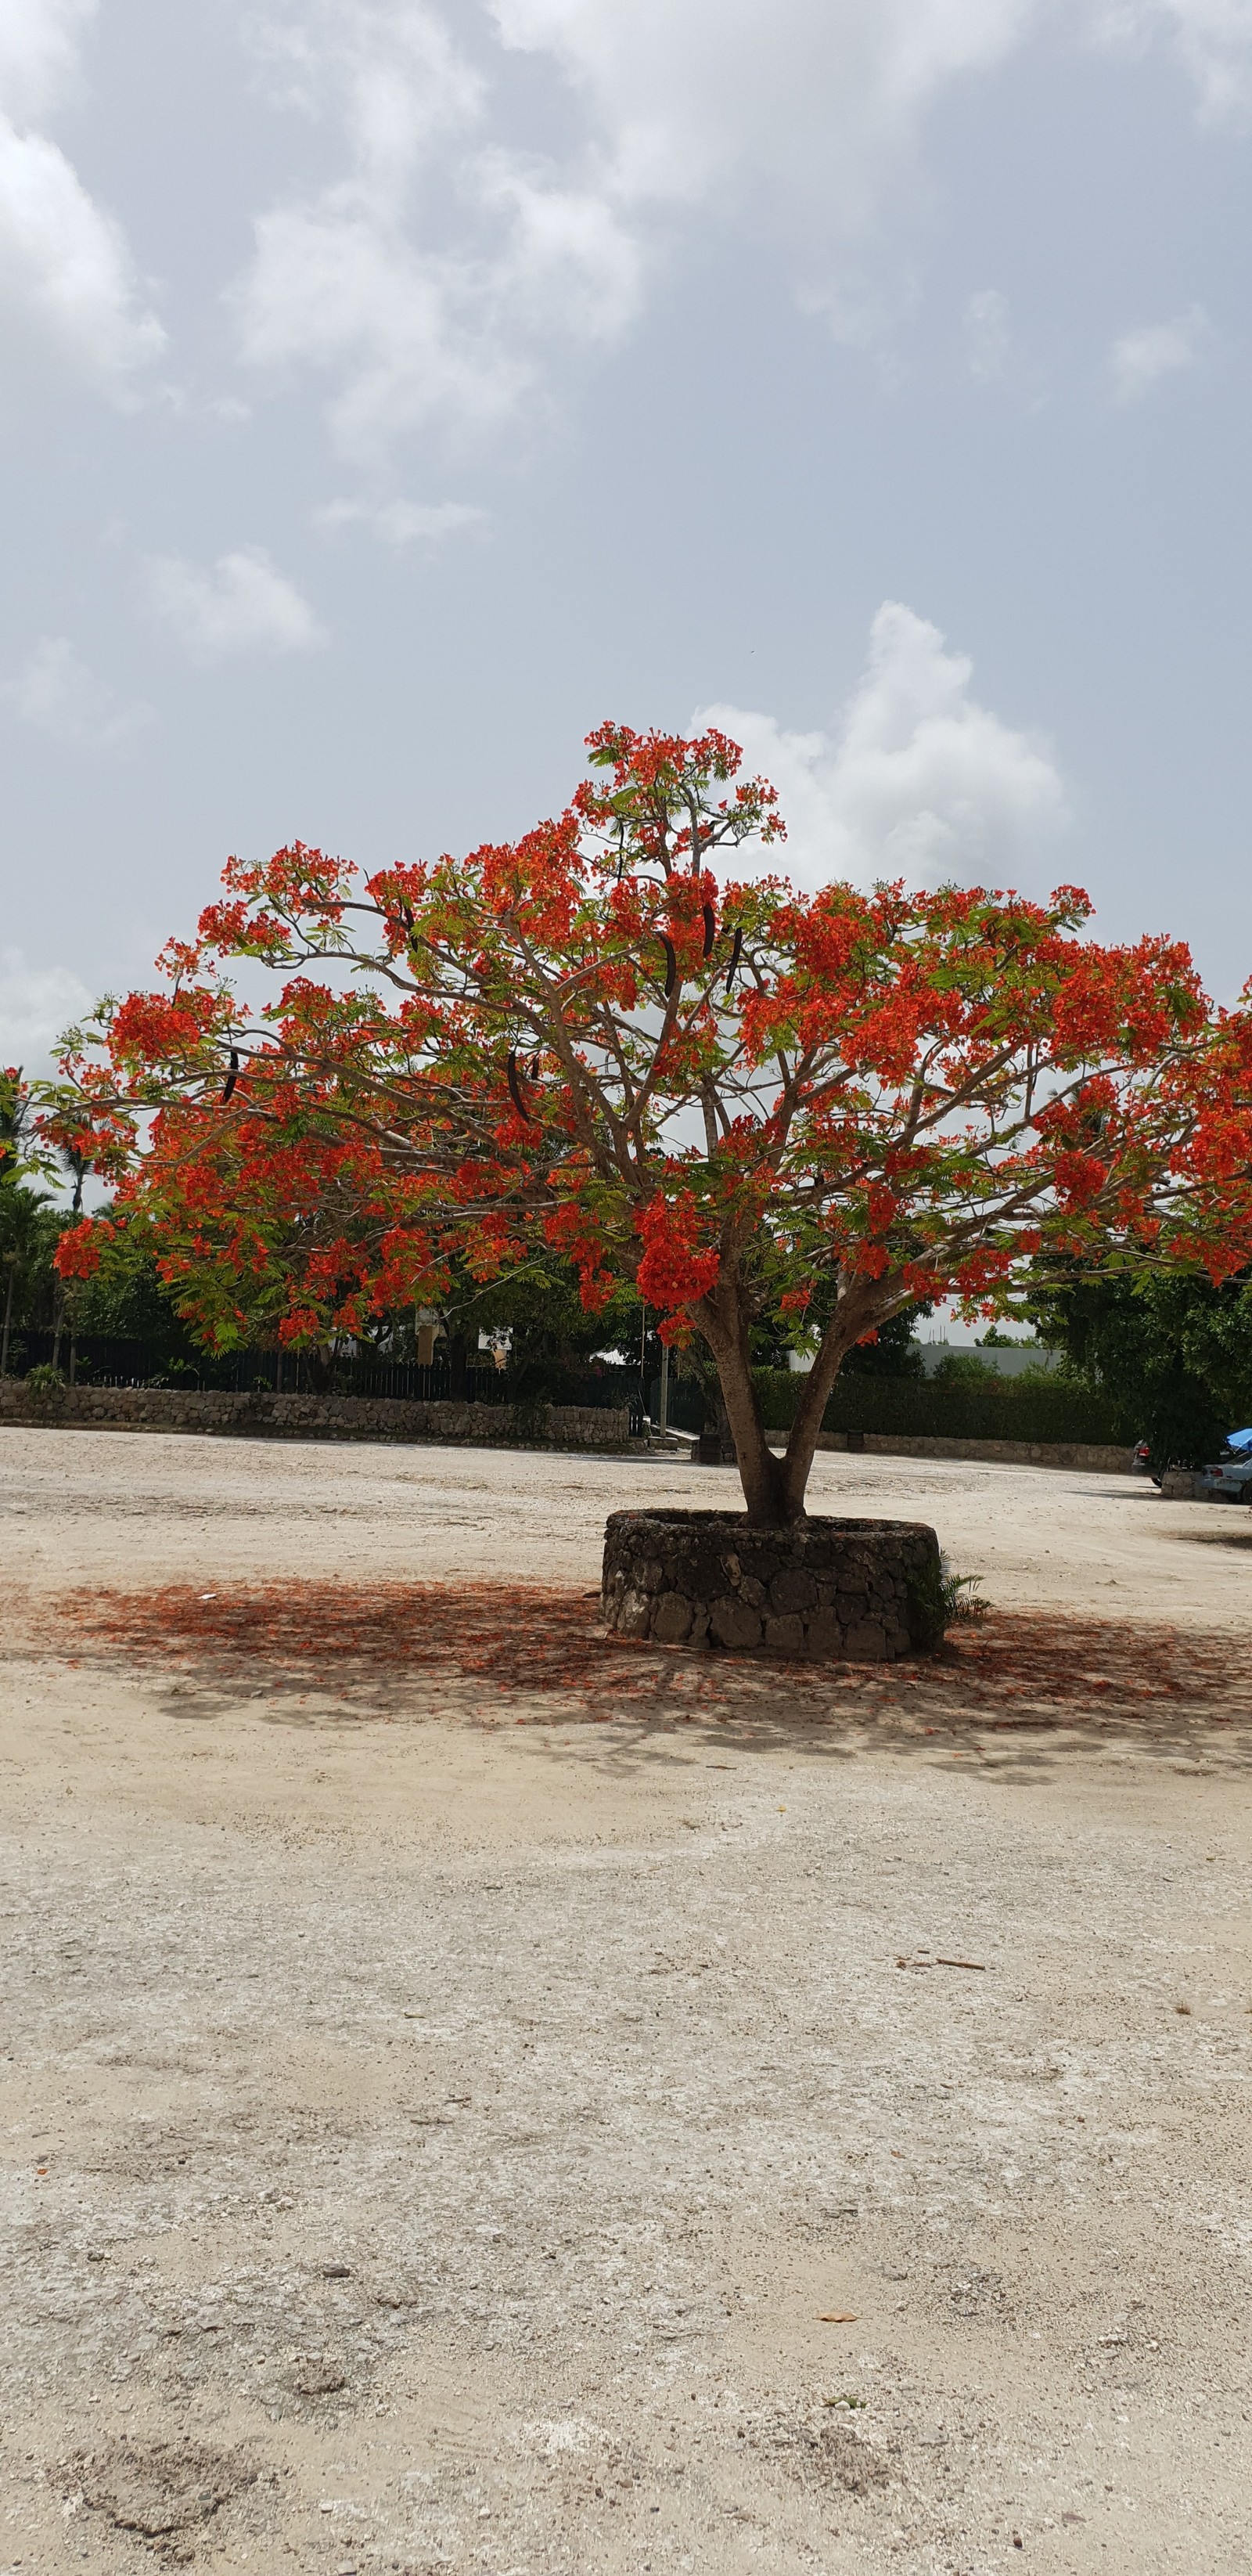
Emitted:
pixel 478 2096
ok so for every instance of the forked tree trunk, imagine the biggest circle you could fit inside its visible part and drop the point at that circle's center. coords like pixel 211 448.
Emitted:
pixel 774 1486
pixel 723 1321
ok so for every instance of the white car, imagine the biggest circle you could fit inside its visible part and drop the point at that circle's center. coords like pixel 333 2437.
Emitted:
pixel 1229 1479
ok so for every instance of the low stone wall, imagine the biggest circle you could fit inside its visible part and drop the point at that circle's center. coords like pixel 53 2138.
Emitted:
pixel 1094 1456
pixel 859 1589
pixel 315 1417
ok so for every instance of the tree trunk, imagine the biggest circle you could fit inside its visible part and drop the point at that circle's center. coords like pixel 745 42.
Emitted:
pixel 721 1425
pixel 774 1487
pixel 458 1361
pixel 856 1314
pixel 8 1316
pixel 723 1320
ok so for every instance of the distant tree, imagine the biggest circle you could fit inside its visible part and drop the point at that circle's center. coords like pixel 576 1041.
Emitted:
pixel 964 1368
pixel 1173 1351
pixel 28 1225
pixel 28 1235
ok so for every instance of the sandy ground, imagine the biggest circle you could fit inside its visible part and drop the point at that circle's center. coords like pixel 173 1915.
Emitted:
pixel 455 2116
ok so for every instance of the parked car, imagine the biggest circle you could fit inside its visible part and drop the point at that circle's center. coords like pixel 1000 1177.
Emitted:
pixel 1229 1479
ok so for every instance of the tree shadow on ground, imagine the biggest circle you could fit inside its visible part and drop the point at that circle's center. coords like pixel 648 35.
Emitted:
pixel 1240 1537
pixel 309 1655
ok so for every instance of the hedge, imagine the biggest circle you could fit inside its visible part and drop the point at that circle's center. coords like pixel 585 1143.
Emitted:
pixel 923 1408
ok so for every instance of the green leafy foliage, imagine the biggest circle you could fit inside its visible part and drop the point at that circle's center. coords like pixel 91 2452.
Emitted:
pixel 1039 1409
pixel 1170 1354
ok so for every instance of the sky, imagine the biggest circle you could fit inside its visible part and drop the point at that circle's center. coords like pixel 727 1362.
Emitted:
pixel 393 389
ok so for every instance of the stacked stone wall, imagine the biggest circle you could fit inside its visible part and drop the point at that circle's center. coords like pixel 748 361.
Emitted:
pixel 316 1417
pixel 1093 1456
pixel 860 1589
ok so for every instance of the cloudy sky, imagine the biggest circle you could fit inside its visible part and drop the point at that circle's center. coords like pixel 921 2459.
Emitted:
pixel 394 388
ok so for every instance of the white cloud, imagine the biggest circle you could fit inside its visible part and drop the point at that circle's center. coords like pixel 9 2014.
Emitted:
pixel 59 695
pixel 439 270
pixel 805 112
pixel 1212 38
pixel 987 334
pixel 337 285
pixel 415 329
pixel 1139 359
pixel 389 67
pixel 65 269
pixel 36 1004
pixel 242 605
pixel 917 780
pixel 806 98
pixel 405 523
pixel 39 51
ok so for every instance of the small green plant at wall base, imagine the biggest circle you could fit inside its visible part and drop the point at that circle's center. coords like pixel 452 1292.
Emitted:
pixel 942 1600
pixel 962 1602
pixel 44 1381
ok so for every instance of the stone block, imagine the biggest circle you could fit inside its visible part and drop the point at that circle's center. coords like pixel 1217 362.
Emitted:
pixel 785 1635
pixel 733 1624
pixel 866 1643
pixel 823 1636
pixel 634 1615
pixel 671 1620
pixel 793 1588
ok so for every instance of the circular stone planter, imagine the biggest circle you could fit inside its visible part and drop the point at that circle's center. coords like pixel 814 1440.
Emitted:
pixel 865 1590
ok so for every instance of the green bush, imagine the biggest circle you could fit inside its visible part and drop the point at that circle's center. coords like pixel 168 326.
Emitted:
pixel 1024 1408
pixel 44 1382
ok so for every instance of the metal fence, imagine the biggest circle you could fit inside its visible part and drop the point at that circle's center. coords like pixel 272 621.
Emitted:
pixel 102 1359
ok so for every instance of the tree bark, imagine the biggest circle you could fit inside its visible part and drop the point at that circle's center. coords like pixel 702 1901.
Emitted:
pixel 774 1487
pixel 723 1320
pixel 8 1316
pixel 856 1314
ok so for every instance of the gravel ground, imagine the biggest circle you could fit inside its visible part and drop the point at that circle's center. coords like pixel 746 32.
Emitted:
pixel 436 2140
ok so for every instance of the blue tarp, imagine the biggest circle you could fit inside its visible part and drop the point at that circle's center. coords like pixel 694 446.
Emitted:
pixel 1239 1439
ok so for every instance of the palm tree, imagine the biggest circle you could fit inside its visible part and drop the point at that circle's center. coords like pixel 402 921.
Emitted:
pixel 23 1230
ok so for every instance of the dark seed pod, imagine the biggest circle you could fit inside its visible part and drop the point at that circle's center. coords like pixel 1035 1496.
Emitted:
pixel 735 955
pixel 533 1068
pixel 671 965
pixel 515 1089
pixel 231 1078
pixel 710 929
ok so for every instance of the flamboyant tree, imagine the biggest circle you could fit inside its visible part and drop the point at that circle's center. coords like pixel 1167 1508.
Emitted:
pixel 745 1099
